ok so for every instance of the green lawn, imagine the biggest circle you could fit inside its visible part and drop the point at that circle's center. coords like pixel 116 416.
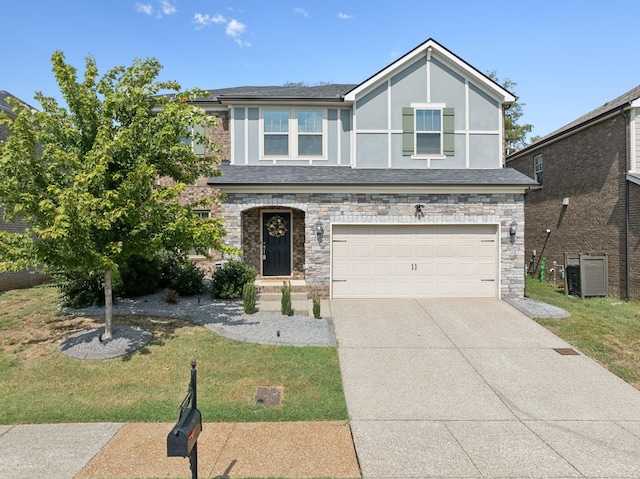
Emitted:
pixel 40 385
pixel 605 329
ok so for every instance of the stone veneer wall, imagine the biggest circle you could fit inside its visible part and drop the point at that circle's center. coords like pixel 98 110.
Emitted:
pixel 355 208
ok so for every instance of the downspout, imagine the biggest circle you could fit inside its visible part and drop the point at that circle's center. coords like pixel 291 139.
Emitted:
pixel 626 202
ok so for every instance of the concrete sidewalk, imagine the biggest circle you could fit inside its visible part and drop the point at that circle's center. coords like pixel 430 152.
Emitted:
pixel 125 451
pixel 473 388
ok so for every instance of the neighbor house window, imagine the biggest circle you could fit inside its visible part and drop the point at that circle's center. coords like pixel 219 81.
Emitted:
pixel 310 133
pixel 276 133
pixel 428 131
pixel 537 168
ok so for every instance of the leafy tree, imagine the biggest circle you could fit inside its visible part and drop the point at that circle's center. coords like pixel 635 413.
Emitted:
pixel 515 135
pixel 85 177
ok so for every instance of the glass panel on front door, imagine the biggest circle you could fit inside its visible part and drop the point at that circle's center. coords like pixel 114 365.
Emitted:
pixel 276 244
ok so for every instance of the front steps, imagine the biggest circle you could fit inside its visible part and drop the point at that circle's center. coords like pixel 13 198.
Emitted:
pixel 269 295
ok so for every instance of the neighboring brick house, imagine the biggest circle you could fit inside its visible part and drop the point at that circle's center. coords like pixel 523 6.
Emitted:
pixel 589 194
pixel 23 278
pixel 394 187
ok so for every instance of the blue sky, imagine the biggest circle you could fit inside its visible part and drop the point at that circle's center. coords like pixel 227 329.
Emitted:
pixel 567 57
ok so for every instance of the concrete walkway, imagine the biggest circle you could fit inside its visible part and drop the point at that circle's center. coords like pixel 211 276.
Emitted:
pixel 473 388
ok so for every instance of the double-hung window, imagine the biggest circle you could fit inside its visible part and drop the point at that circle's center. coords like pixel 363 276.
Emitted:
pixel 293 133
pixel 276 133
pixel 310 133
pixel 428 131
pixel 538 168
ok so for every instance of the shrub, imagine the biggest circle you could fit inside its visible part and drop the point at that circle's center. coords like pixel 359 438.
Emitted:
pixel 285 303
pixel 171 296
pixel 82 289
pixel 229 280
pixel 316 307
pixel 140 276
pixel 249 297
pixel 181 275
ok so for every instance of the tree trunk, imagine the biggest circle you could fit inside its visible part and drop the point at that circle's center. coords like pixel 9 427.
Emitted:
pixel 108 303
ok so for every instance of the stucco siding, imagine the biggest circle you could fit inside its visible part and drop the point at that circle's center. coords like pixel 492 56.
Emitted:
pixel 483 110
pixel 448 87
pixel 371 110
pixel 407 86
pixel 372 150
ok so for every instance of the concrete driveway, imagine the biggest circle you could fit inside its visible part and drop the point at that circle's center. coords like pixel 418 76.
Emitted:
pixel 470 388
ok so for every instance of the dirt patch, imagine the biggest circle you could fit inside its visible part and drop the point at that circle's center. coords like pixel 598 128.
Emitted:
pixel 40 335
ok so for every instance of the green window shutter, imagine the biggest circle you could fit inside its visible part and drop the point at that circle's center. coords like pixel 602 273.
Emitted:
pixel 407 132
pixel 198 148
pixel 448 128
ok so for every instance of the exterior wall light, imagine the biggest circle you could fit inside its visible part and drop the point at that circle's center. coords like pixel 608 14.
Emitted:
pixel 319 231
pixel 513 229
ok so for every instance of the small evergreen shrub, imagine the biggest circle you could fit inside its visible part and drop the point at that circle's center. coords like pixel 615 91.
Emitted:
pixel 229 280
pixel 285 302
pixel 81 290
pixel 171 296
pixel 249 297
pixel 181 275
pixel 140 276
pixel 316 306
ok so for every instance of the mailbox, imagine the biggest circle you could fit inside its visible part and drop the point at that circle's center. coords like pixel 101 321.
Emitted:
pixel 184 434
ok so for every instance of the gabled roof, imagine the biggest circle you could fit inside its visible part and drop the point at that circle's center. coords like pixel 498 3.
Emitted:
pixel 329 92
pixel 593 116
pixel 243 175
pixel 341 92
pixel 449 57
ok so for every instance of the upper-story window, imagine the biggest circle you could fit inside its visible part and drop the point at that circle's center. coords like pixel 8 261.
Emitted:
pixel 276 133
pixel 293 133
pixel 428 131
pixel 310 133
pixel 538 168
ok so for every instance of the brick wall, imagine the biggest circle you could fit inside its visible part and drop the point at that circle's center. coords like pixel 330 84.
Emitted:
pixel 589 169
pixel 19 279
pixel 345 208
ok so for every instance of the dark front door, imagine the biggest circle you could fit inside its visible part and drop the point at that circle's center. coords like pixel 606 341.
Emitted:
pixel 276 245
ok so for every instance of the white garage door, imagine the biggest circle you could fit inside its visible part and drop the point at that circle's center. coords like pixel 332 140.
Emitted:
pixel 392 261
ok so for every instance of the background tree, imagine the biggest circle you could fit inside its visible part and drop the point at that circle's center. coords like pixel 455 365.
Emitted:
pixel 84 177
pixel 515 135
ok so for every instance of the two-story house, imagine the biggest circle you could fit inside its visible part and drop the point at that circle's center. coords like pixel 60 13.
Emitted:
pixel 394 187
pixel 588 198
pixel 22 278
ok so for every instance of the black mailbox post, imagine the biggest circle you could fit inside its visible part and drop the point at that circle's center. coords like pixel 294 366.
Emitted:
pixel 182 441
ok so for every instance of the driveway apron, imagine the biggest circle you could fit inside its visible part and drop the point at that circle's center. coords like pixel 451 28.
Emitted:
pixel 470 388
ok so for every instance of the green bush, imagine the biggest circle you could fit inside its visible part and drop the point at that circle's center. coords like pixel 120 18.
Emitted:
pixel 181 275
pixel 285 303
pixel 316 307
pixel 140 276
pixel 249 297
pixel 81 290
pixel 171 296
pixel 229 280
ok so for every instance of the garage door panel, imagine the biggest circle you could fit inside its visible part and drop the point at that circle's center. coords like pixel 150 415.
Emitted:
pixel 414 260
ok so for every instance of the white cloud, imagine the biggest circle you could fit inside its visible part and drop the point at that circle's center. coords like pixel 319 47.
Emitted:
pixel 167 8
pixel 344 16
pixel 233 28
pixel 301 11
pixel 144 8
